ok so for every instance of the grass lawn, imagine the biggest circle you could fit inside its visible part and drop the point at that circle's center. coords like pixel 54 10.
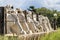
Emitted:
pixel 52 36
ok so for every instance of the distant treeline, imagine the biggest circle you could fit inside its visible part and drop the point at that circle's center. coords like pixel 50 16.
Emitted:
pixel 51 14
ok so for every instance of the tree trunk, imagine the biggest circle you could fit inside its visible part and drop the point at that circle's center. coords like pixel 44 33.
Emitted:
pixel 55 26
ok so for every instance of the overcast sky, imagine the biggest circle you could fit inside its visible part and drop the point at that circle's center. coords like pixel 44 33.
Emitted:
pixel 24 4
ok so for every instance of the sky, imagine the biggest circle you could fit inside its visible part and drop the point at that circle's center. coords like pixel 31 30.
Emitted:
pixel 24 4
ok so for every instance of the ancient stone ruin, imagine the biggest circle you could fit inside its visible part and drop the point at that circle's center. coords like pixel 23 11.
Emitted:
pixel 20 22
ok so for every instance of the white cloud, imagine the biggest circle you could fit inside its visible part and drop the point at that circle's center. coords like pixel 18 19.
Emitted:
pixel 38 3
pixel 51 4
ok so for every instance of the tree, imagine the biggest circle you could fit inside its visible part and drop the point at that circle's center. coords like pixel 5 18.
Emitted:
pixel 32 8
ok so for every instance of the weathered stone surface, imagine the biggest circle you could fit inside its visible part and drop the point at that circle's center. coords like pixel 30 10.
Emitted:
pixel 16 22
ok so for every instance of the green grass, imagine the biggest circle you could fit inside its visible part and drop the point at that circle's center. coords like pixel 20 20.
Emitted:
pixel 8 38
pixel 52 36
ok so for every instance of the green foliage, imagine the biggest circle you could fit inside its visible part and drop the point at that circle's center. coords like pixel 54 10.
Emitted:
pixel 8 38
pixel 58 21
pixel 46 12
pixel 32 8
pixel 43 11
